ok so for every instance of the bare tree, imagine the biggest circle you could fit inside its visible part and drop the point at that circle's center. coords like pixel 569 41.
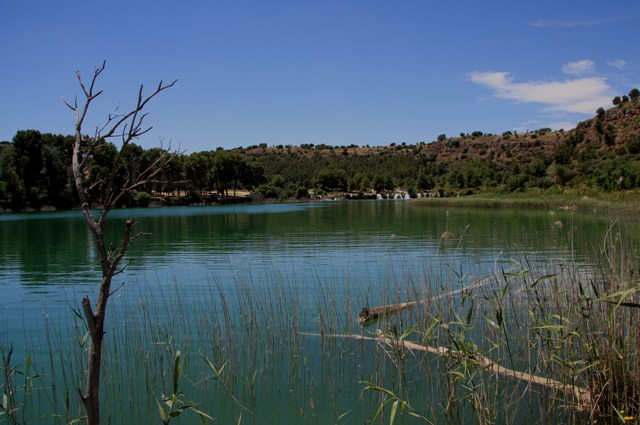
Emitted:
pixel 111 189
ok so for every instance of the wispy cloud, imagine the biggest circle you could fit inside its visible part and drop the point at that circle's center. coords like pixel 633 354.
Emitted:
pixel 618 63
pixel 543 23
pixel 568 24
pixel 580 67
pixel 582 95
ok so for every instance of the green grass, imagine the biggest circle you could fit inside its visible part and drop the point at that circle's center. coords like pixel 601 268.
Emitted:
pixel 625 202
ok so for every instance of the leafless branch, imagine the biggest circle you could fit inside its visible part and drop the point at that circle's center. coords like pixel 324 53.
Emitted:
pixel 128 127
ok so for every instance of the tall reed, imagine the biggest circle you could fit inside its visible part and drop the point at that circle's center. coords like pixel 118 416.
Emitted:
pixel 266 349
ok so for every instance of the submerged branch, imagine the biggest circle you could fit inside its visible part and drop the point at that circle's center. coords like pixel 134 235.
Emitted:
pixel 581 394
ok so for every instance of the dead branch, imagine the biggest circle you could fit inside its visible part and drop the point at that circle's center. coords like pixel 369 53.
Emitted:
pixel 581 394
pixel 128 127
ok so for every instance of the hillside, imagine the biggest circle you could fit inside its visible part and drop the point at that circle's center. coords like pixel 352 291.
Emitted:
pixel 601 153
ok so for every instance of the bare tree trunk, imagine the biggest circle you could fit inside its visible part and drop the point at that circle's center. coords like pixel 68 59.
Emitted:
pixel 127 127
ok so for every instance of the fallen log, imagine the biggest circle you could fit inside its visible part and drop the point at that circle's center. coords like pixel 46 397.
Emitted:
pixel 584 401
pixel 371 313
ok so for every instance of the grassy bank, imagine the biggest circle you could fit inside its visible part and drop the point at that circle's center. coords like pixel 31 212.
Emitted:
pixel 622 202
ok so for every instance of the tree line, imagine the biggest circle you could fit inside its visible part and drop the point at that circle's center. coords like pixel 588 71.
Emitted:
pixel 35 168
pixel 35 172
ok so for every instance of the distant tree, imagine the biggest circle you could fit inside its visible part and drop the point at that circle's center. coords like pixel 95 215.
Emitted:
pixel 633 145
pixel 228 171
pixel 255 175
pixel 564 153
pixel 28 158
pixel 383 182
pixel 425 181
pixel 196 169
pixel 332 179
pixel 11 186
pixel 302 192
pixel 278 181
pixel 442 137
pixel 477 134
pixel 634 94
pixel 617 100
pixel 600 113
pixel 625 98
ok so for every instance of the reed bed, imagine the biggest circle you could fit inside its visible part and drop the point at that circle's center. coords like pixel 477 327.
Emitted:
pixel 276 350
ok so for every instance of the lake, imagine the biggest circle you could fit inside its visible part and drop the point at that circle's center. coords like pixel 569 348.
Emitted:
pixel 249 294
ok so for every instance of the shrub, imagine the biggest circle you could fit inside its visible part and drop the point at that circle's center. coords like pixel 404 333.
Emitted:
pixel 143 199
pixel 269 191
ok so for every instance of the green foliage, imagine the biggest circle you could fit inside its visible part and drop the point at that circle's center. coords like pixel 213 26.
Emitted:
pixel 35 171
pixel 543 131
pixel 143 199
pixel 564 153
pixel 389 398
pixel 269 191
pixel 16 386
pixel 334 179
pixel 175 404
pixel 633 145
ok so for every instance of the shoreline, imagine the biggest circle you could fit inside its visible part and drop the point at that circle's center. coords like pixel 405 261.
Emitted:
pixel 627 202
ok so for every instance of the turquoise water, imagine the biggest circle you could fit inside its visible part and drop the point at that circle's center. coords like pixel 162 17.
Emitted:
pixel 244 286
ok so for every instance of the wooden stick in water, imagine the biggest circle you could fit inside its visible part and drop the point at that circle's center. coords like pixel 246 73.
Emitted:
pixel 371 313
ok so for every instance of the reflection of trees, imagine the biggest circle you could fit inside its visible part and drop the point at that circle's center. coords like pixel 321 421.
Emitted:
pixel 57 244
pixel 47 250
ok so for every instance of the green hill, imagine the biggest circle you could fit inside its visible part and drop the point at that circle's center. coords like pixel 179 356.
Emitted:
pixel 600 153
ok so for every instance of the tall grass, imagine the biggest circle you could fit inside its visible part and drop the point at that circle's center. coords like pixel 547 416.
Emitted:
pixel 282 352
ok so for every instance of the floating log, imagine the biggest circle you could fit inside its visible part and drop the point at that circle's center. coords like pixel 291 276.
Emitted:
pixel 371 313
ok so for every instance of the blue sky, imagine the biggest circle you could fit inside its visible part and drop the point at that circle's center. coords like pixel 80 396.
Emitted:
pixel 338 72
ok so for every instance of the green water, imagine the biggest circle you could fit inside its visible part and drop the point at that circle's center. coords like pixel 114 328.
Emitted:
pixel 248 287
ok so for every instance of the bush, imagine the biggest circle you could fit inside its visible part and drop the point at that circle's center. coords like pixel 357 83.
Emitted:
pixel 633 145
pixel 269 191
pixel 143 199
pixel 302 192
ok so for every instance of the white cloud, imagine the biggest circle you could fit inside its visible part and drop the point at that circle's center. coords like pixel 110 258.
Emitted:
pixel 562 125
pixel 582 95
pixel 618 63
pixel 579 67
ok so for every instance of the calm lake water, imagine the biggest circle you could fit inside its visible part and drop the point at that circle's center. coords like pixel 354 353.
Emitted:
pixel 245 286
